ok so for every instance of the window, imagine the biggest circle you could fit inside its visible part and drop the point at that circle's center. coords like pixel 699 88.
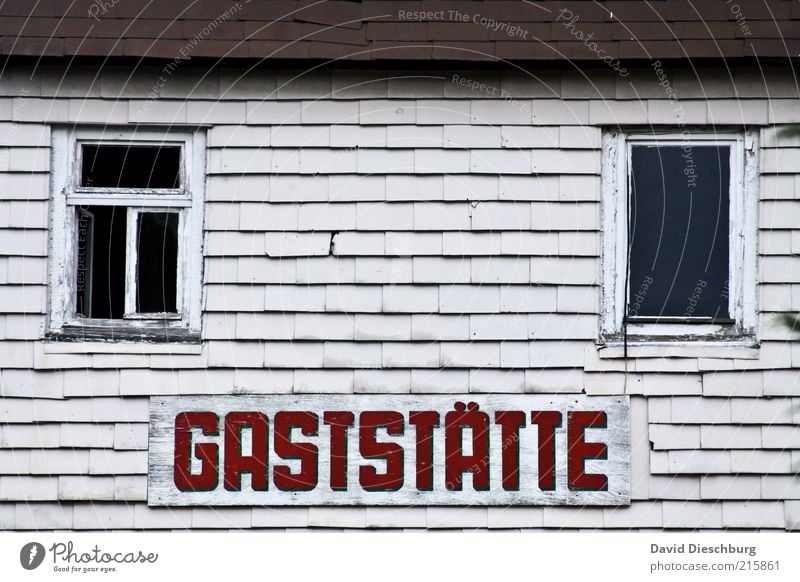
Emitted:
pixel 679 250
pixel 126 234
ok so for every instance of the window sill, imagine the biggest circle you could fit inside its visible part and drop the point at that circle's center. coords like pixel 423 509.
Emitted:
pixel 73 347
pixel 745 348
pixel 121 339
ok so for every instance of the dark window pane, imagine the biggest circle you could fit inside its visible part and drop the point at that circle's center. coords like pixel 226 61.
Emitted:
pixel 122 166
pixel 678 232
pixel 100 284
pixel 157 269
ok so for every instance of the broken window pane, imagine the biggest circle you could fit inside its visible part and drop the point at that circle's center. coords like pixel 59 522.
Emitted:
pixel 124 166
pixel 157 268
pixel 678 232
pixel 100 284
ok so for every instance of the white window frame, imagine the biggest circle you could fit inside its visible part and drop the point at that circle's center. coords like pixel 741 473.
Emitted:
pixel 186 201
pixel 743 229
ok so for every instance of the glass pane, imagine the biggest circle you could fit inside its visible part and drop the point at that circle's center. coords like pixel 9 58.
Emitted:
pixel 100 272
pixel 157 269
pixel 678 232
pixel 123 166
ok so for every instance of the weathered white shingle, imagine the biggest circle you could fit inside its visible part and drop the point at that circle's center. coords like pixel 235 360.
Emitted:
pixel 413 243
pixel 251 326
pixel 413 187
pixel 730 437
pixel 26 488
pixel 672 437
pixel 85 488
pixel 501 161
pixel 295 297
pixel 440 327
pixel 497 112
pixel 59 462
pixel 383 270
pixel 527 299
pixel 369 327
pixel 352 355
pixel 410 299
pixel 43 516
pixel 323 381
pixel 692 515
pixel 443 111
pixel 429 270
pixel 469 355
pixel 753 514
pixel 761 462
pixel 498 327
pixel 330 326
pixel 108 462
pixel 354 298
pixel 411 354
pixel 384 216
pixel 476 136
pixel 439 381
pixel 469 299
pixel 382 381
pixel 325 270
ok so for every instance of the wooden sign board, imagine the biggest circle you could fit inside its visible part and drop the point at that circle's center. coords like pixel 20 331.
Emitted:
pixel 327 449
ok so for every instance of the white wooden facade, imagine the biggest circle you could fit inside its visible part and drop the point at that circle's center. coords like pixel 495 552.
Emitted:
pixel 395 232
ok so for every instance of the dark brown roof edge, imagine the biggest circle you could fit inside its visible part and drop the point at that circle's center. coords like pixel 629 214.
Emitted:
pixel 380 31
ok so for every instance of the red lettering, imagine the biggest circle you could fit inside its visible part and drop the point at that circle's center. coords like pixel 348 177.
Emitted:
pixel 235 462
pixel 208 453
pixel 370 479
pixel 339 421
pixel 456 462
pixel 306 478
pixel 510 423
pixel 548 421
pixel 424 423
pixel 578 450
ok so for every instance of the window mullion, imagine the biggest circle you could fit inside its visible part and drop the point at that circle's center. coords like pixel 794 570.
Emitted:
pixel 182 245
pixel 131 261
pixel 735 246
pixel 132 199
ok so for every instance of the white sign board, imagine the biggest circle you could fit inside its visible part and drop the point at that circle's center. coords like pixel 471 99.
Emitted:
pixel 327 449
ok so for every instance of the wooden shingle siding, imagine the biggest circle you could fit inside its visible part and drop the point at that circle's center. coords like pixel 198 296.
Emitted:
pixel 367 234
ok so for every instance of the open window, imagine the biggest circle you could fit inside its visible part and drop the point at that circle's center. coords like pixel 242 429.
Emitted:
pixel 679 251
pixel 126 234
